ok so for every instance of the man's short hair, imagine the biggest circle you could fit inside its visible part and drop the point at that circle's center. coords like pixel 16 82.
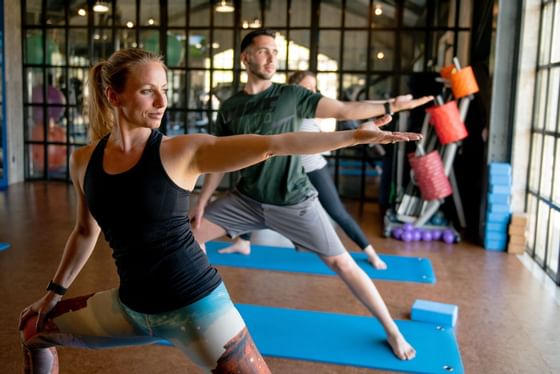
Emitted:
pixel 248 39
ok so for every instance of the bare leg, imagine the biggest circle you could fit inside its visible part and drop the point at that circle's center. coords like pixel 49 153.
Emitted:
pixel 239 246
pixel 374 258
pixel 241 356
pixel 207 231
pixel 364 289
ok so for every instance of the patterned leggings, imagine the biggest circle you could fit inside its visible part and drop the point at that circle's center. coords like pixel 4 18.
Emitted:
pixel 210 332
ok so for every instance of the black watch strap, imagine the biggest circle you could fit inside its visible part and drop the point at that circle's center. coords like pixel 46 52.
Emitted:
pixel 387 106
pixel 56 288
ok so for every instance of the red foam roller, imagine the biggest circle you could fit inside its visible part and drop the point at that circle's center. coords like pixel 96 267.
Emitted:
pixel 430 176
pixel 448 123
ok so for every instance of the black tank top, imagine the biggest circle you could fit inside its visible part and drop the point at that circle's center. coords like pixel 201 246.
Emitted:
pixel 144 217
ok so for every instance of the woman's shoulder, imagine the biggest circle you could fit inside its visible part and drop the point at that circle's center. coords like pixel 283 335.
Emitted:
pixel 81 155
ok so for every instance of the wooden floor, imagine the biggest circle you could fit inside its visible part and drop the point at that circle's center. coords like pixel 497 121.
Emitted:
pixel 508 322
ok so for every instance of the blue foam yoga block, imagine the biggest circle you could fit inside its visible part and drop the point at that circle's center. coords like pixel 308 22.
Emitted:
pixel 499 168
pixel 495 245
pixel 499 189
pixel 498 217
pixel 498 208
pixel 496 226
pixel 496 198
pixel 500 179
pixel 496 235
pixel 434 312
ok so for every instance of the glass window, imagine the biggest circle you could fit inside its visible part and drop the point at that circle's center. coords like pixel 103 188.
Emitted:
pixel 222 50
pixel 77 13
pixel 298 50
pixel 199 52
pixel 126 16
pixel 414 13
pixel 327 84
pixel 198 89
pixel 176 122
pixel 176 83
pixel 540 99
pixel 444 14
pixel 381 87
pixel 176 13
pixel 34 51
pixel 149 13
pixel 199 14
pixel 442 49
pixel 553 241
pixel 102 45
pixel 381 53
pixel 536 159
pixel 329 47
pixel 251 14
pixel 78 50
pixel 33 9
pixel 546 32
pixel 531 222
pixel 126 38
pixel 552 105
pixel 556 176
pixel 275 13
pixel 385 14
pixel 542 228
pixel 353 86
pixel 413 50
pixel 355 50
pixel 175 55
pixel 282 45
pixel 54 13
pixel 330 13
pixel 103 17
pixel 58 55
pixel 300 14
pixel 547 166
pixel 556 37
pixel 356 14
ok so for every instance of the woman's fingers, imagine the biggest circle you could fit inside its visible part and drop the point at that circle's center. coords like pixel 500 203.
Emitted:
pixel 40 321
pixel 24 316
pixel 382 121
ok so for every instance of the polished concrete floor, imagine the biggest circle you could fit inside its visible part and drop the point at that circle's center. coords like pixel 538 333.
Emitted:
pixel 508 321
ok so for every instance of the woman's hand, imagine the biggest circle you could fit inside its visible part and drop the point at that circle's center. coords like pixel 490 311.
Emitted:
pixel 370 132
pixel 41 309
pixel 407 102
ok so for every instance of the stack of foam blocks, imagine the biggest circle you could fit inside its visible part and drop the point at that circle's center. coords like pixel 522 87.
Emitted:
pixel 498 212
pixel 517 233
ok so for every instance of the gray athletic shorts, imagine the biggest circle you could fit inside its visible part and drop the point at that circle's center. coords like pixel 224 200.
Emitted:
pixel 306 223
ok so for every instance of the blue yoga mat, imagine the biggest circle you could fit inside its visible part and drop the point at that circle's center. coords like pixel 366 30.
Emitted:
pixel 348 340
pixel 4 246
pixel 400 268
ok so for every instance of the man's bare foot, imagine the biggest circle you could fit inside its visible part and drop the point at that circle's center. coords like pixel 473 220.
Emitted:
pixel 400 346
pixel 374 258
pixel 238 246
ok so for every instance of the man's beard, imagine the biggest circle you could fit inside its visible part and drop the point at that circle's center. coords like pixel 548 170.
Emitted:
pixel 254 70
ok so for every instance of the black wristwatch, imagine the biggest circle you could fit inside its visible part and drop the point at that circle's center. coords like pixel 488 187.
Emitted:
pixel 387 106
pixel 56 288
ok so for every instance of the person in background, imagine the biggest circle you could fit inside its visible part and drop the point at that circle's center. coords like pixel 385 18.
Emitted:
pixel 277 194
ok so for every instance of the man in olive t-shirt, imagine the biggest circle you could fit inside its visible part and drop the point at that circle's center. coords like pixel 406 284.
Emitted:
pixel 276 110
pixel 276 193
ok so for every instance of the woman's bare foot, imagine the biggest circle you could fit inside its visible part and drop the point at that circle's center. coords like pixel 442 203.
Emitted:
pixel 400 346
pixel 238 246
pixel 374 258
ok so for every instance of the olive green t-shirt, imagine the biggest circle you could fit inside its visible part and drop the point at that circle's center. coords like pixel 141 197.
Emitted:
pixel 279 109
